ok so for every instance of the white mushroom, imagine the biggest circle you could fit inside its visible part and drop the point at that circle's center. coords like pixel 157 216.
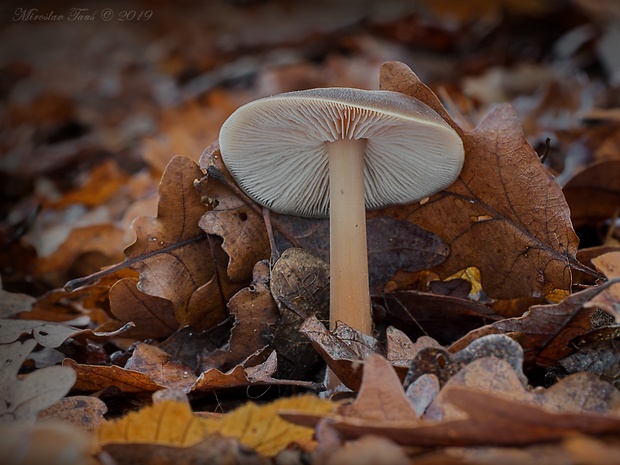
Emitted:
pixel 337 152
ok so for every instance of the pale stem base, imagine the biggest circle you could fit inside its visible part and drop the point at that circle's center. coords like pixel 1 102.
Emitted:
pixel 349 292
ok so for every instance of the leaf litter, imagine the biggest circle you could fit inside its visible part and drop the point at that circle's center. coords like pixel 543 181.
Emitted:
pixel 495 301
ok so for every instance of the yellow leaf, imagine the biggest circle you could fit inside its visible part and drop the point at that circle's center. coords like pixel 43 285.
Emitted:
pixel 261 428
pixel 557 295
pixel 473 277
pixel 168 422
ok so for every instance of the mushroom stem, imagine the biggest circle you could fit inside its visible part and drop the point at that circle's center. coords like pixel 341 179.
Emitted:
pixel 349 293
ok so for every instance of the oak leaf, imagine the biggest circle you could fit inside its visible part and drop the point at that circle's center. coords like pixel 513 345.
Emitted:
pixel 176 259
pixel 233 216
pixel 504 198
pixel 152 316
pixel 166 422
pixel 262 428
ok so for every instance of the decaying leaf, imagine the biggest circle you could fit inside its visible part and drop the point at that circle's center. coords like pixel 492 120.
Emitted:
pixel 504 199
pixel 46 334
pixel 299 284
pixel 255 314
pixel 92 378
pixel 489 419
pixel 83 412
pixel 177 261
pixel 22 399
pixel 261 428
pixel 12 303
pixel 442 364
pixel 343 349
pixel 545 331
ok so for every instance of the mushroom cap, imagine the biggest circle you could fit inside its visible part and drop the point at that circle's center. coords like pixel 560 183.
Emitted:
pixel 276 148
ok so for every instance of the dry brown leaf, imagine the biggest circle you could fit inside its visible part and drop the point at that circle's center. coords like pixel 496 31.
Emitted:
pixel 107 240
pixel 91 378
pixel 381 396
pixel 593 194
pixel 177 261
pixel 212 450
pixel 241 376
pixel 343 349
pixel 443 317
pixel 504 199
pixel 609 300
pixel 22 399
pixel 400 350
pixel 232 216
pixel 491 420
pixel 545 331
pixel 255 316
pixel 152 316
pixel 160 368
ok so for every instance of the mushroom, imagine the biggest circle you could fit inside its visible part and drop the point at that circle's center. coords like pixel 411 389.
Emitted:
pixel 337 152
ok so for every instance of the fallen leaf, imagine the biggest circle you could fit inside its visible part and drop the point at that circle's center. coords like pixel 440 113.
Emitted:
pixel 504 198
pixel 91 378
pixel 392 244
pixel 400 350
pixel 445 318
pixel 46 334
pixel 213 450
pixel 152 316
pixel 299 284
pixel 106 240
pixel 104 182
pixel 593 194
pixel 83 412
pixel 609 300
pixel 160 367
pixel 368 450
pixel 261 428
pixel 22 399
pixel 256 316
pixel 177 261
pixel 442 364
pixel 545 331
pixel 381 396
pixel 233 217
pixel 166 422
pixel 241 376
pixel 12 303
pixel 343 349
